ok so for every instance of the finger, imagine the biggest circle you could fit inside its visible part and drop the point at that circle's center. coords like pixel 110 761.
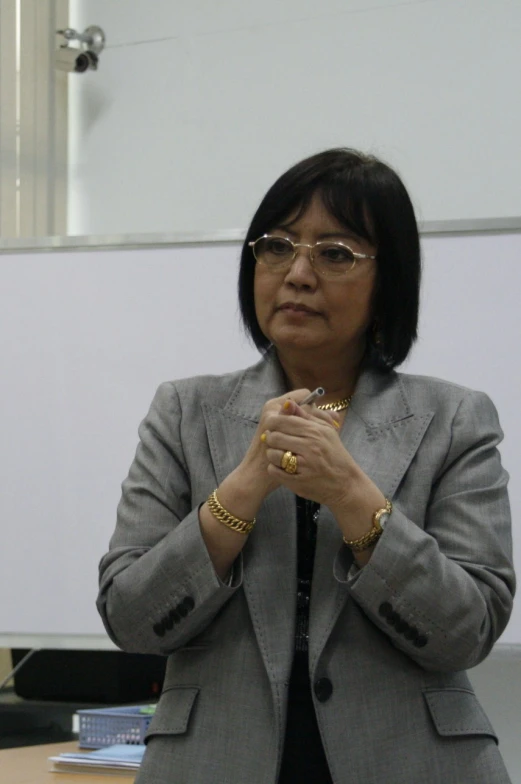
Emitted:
pixel 292 398
pixel 299 426
pixel 276 403
pixel 282 442
pixel 275 456
pixel 329 417
pixel 291 408
pixel 294 395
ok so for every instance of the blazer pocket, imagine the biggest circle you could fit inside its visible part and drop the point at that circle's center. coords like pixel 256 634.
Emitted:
pixel 458 712
pixel 173 711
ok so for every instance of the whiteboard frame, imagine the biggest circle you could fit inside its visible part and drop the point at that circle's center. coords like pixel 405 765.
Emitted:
pixel 118 241
pixel 66 642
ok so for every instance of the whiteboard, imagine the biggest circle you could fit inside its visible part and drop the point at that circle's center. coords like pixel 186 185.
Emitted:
pixel 198 107
pixel 86 337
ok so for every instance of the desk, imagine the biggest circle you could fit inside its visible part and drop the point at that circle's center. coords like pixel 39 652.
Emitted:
pixel 28 765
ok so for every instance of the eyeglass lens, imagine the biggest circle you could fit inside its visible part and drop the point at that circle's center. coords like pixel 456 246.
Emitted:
pixel 330 258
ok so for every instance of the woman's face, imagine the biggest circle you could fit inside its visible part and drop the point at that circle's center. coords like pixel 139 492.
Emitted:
pixel 297 309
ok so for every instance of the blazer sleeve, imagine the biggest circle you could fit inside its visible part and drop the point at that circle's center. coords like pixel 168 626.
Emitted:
pixel 157 585
pixel 442 588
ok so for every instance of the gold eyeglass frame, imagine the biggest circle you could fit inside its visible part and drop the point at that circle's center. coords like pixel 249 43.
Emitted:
pixel 296 245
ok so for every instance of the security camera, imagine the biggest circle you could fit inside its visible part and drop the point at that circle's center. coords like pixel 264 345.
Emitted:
pixel 93 59
pixel 75 60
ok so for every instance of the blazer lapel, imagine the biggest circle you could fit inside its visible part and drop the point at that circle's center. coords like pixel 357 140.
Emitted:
pixel 269 556
pixel 382 434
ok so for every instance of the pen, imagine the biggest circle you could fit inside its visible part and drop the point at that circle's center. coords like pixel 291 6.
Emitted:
pixel 318 392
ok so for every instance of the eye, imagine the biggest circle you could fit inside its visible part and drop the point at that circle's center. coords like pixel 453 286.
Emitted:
pixel 278 246
pixel 335 254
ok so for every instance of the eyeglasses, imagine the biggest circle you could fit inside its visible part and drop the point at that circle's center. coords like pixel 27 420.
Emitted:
pixel 330 259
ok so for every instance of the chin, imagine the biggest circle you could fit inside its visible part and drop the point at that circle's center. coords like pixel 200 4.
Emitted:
pixel 297 340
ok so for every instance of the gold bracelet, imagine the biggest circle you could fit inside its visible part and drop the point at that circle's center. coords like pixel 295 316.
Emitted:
pixel 222 514
pixel 368 539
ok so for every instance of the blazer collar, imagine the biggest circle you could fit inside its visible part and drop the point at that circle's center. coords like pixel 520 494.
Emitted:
pixel 382 433
pixel 379 397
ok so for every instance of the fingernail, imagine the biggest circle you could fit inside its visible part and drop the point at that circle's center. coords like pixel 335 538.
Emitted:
pixel 287 405
pixel 263 437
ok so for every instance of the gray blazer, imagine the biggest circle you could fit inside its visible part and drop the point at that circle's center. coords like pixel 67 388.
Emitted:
pixel 388 643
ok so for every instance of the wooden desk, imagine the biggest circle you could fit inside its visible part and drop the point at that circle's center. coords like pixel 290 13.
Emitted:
pixel 29 765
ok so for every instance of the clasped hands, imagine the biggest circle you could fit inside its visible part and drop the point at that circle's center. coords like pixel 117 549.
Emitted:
pixel 324 467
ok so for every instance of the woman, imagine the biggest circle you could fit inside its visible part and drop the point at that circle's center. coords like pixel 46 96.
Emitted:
pixel 319 575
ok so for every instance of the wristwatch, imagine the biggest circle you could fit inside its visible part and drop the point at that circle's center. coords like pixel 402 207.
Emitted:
pixel 380 518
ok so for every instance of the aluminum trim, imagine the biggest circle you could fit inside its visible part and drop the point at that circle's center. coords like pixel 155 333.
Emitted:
pixel 69 642
pixel 224 236
pixel 471 226
pixel 118 241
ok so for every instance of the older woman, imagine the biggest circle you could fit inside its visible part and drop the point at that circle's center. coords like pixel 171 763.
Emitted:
pixel 319 575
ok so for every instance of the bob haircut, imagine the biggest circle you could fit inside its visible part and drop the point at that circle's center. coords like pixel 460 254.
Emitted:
pixel 367 197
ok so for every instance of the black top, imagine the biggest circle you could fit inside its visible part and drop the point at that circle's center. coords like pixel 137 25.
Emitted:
pixel 303 757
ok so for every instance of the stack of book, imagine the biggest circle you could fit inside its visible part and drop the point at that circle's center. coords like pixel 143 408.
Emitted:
pixel 121 759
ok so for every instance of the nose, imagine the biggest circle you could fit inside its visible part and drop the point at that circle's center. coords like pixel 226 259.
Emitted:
pixel 301 273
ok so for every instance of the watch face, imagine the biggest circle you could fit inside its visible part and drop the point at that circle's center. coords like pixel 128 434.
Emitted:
pixel 380 517
pixel 380 520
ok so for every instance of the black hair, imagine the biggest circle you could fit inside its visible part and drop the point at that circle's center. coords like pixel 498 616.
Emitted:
pixel 367 197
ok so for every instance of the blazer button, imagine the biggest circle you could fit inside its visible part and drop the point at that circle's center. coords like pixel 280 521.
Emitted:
pixel 393 618
pixel 168 622
pixel 323 689
pixel 159 629
pixel 420 641
pixel 188 604
pixel 385 609
pixel 174 616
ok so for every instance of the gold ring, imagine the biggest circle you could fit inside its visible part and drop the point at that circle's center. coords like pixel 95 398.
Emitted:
pixel 291 467
pixel 285 459
pixel 289 463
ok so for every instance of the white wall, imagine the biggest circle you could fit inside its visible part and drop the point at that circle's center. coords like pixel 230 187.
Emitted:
pixel 198 106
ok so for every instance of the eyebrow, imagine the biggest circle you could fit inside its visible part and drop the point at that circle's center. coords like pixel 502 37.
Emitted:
pixel 327 235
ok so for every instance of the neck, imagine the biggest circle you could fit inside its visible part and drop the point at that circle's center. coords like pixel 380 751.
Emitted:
pixel 305 371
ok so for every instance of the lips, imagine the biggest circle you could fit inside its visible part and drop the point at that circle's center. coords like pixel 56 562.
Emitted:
pixel 297 307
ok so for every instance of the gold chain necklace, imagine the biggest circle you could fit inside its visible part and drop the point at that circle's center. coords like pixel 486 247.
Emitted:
pixel 338 405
